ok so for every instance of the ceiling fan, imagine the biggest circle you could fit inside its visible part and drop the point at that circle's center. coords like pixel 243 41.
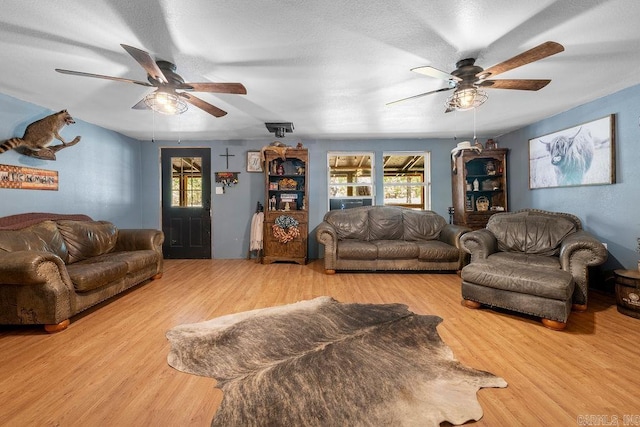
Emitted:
pixel 172 91
pixel 468 79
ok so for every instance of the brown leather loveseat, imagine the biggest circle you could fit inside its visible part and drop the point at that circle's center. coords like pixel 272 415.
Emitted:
pixel 389 238
pixel 55 266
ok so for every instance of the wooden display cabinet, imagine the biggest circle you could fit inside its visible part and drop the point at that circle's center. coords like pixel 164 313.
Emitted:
pixel 286 194
pixel 479 185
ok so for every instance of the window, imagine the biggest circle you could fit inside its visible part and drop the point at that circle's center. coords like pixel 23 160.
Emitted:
pixel 407 179
pixel 186 182
pixel 350 179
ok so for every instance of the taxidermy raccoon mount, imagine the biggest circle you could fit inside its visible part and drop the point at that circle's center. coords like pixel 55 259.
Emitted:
pixel 39 135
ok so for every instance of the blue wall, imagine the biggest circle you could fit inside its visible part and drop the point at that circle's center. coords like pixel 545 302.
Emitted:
pixel 610 212
pixel 99 176
pixel 233 210
pixel 113 177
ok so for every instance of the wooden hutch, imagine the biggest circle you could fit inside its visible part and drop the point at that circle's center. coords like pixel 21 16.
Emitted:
pixel 286 193
pixel 479 185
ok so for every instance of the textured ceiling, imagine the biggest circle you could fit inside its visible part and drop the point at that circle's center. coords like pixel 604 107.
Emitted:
pixel 327 66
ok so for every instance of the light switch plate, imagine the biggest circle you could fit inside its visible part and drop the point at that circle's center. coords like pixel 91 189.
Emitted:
pixel 219 190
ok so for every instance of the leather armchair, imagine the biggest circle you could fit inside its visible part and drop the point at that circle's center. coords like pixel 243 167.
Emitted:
pixel 531 261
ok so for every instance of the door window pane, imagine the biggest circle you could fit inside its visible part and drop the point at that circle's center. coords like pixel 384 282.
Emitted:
pixel 186 182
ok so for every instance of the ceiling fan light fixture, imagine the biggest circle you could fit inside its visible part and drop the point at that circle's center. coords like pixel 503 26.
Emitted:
pixel 466 99
pixel 165 103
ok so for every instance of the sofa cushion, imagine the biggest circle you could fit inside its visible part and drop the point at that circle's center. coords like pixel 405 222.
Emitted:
pixel 435 250
pixel 48 232
pixel 42 237
pixel 92 275
pixel 422 225
pixel 526 259
pixel 135 260
pixel 349 223
pixel 21 240
pixel 530 234
pixel 396 249
pixel 357 249
pixel 385 223
pixel 87 239
pixel 543 282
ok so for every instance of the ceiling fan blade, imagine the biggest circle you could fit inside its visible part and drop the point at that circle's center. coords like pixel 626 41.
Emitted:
pixel 203 105
pixel 534 54
pixel 434 72
pixel 420 95
pixel 235 88
pixel 141 105
pixel 100 76
pixel 147 62
pixel 517 84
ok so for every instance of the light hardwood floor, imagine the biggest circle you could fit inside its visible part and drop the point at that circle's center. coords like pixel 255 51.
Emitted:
pixel 109 367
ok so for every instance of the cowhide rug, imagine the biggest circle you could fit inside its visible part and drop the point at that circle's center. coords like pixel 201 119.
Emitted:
pixel 323 363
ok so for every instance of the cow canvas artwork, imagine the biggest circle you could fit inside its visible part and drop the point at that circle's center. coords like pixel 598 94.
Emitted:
pixel 581 155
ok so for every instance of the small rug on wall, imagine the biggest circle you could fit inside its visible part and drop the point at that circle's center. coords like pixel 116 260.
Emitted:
pixel 324 363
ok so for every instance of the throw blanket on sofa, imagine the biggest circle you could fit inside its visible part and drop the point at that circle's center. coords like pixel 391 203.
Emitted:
pixel 20 221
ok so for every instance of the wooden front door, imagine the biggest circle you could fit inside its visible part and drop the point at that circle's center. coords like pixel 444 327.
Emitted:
pixel 186 202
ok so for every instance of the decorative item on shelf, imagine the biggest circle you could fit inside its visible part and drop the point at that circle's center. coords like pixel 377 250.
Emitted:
pixel 273 186
pixel 490 167
pixel 490 184
pixel 285 229
pixel 468 203
pixel 276 146
pixel 288 202
pixel 464 145
pixel 476 185
pixel 280 170
pixel 300 170
pixel 469 187
pixel 227 179
pixel 287 184
pixel 272 203
pixel 490 144
pixel 482 203
pixel 497 208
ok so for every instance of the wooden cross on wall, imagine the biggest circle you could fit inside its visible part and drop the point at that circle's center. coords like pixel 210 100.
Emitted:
pixel 227 155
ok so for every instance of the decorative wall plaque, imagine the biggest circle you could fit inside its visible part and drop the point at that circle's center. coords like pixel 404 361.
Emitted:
pixel 28 178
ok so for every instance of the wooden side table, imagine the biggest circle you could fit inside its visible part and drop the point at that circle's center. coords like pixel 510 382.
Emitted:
pixel 628 292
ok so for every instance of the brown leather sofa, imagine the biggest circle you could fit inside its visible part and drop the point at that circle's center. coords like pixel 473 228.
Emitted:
pixel 55 266
pixel 389 238
pixel 531 261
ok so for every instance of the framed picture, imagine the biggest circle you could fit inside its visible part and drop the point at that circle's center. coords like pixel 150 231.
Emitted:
pixel 254 161
pixel 580 155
